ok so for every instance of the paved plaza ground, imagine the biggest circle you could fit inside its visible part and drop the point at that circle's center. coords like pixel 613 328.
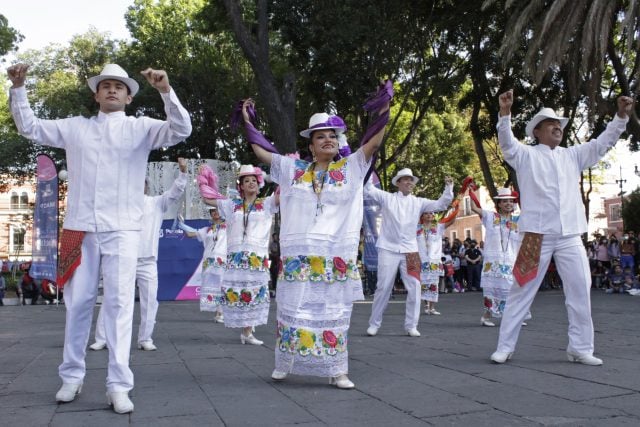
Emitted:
pixel 202 376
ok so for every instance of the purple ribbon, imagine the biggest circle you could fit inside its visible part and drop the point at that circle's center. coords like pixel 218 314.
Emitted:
pixel 236 118
pixel 332 122
pixel 374 103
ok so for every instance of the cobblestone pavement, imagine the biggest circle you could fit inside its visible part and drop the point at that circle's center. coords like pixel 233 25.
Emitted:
pixel 202 375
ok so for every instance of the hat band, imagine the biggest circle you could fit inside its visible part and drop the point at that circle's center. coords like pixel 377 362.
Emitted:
pixel 332 122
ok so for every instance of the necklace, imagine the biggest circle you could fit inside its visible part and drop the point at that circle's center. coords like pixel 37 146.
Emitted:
pixel 245 216
pixel 507 225
pixel 318 186
pixel 215 226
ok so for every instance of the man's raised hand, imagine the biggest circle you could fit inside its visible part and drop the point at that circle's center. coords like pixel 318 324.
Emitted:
pixel 182 164
pixel 625 106
pixel 158 79
pixel 17 74
pixel 506 101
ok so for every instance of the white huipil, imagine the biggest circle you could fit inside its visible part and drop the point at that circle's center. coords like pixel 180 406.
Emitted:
pixel 319 279
pixel 214 262
pixel 105 199
pixel 501 245
pixel 245 291
pixel 431 268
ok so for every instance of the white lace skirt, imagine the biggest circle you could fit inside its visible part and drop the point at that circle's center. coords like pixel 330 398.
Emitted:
pixel 313 341
pixel 210 291
pixel 245 298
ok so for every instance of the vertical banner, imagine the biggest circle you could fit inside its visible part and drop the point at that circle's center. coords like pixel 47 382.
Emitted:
pixel 45 221
pixel 371 226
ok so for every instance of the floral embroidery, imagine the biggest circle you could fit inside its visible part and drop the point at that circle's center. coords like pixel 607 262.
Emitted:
pixel 256 206
pixel 336 173
pixel 509 224
pixel 217 262
pixel 432 267
pixel 318 269
pixel 246 260
pixel 243 299
pixel 498 269
pixel 306 342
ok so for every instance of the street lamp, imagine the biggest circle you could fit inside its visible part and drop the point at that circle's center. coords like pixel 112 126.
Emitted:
pixel 636 171
pixel 621 194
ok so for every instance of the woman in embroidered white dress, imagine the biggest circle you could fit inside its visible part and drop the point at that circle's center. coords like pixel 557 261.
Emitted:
pixel 214 261
pixel 429 235
pixel 245 290
pixel 501 245
pixel 321 206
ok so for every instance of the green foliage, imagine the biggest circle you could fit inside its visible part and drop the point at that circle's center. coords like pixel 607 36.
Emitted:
pixel 9 37
pixel 630 210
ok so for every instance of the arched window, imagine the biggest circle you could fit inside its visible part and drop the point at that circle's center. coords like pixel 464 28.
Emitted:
pixel 15 201
pixel 24 200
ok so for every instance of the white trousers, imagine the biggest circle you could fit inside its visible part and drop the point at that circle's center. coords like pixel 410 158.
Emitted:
pixel 147 280
pixel 573 267
pixel 388 264
pixel 115 254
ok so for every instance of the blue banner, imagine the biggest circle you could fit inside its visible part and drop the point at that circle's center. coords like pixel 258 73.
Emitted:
pixel 371 227
pixel 179 262
pixel 45 221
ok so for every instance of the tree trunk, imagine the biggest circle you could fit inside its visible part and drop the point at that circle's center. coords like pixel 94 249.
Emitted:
pixel 278 102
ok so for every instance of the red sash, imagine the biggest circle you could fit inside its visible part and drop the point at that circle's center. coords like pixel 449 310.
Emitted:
pixel 70 255
pixel 525 268
pixel 413 264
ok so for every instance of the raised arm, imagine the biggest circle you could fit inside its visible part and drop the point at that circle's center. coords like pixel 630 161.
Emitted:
pixel 45 132
pixel 379 104
pixel 511 148
pixel 256 139
pixel 443 202
pixel 173 194
pixel 177 126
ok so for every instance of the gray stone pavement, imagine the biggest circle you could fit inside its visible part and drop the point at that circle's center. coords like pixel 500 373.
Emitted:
pixel 202 375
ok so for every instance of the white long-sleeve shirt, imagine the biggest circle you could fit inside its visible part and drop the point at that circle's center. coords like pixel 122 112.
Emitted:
pixel 154 209
pixel 400 215
pixel 106 159
pixel 549 179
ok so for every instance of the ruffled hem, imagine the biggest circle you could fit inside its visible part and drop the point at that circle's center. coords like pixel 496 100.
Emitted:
pixel 243 318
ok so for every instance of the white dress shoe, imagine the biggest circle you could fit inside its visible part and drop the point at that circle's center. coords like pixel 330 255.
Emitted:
pixel 250 340
pixel 342 381
pixel 68 392
pixel 372 331
pixel 219 319
pixel 500 357
pixel 97 346
pixel 486 322
pixel 278 375
pixel 585 359
pixel 434 312
pixel 413 332
pixel 427 311
pixel 147 346
pixel 120 401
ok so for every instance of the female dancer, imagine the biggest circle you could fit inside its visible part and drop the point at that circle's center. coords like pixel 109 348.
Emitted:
pixel 501 245
pixel 214 261
pixel 321 208
pixel 245 291
pixel 429 234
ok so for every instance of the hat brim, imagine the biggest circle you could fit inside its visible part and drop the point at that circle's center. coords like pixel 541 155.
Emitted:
pixel 504 198
pixel 541 117
pixel 307 132
pixel 395 179
pixel 94 81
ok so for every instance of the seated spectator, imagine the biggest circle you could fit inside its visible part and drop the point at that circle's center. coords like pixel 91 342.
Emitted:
pixel 615 281
pixel 29 288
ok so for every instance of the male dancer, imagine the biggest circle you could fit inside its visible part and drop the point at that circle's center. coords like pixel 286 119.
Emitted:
pixel 106 155
pixel 552 220
pixel 147 269
pixel 397 245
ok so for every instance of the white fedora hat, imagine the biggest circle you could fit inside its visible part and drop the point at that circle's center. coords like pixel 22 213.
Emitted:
pixel 113 72
pixel 505 194
pixel 246 170
pixel 545 113
pixel 324 121
pixel 402 173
